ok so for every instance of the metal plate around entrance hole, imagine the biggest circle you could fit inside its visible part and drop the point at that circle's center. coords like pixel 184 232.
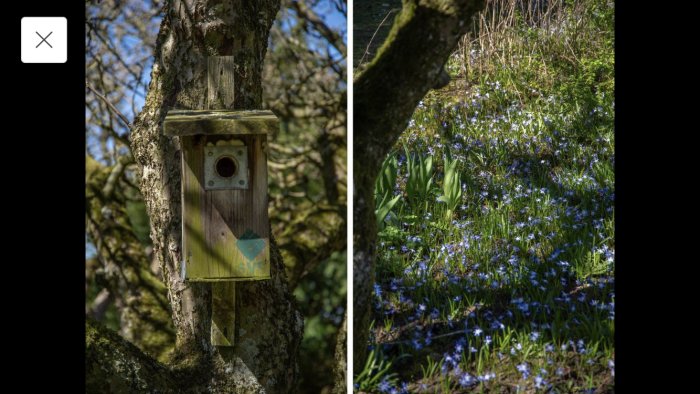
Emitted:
pixel 226 167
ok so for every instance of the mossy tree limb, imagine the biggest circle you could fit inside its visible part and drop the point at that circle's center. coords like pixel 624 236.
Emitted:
pixel 409 63
pixel 113 364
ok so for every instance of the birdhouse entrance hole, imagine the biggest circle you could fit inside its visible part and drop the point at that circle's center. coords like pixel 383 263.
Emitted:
pixel 226 167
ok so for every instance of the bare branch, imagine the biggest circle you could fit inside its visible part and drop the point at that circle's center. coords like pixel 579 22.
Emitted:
pixel 109 104
pixel 332 36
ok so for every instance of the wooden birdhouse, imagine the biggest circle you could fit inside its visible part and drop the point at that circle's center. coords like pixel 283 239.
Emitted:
pixel 225 226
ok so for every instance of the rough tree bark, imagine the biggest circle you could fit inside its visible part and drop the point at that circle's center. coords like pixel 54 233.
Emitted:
pixel 409 63
pixel 269 327
pixel 341 359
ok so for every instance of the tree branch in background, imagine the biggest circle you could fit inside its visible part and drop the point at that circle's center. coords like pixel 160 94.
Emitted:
pixel 109 104
pixel 304 80
pixel 332 36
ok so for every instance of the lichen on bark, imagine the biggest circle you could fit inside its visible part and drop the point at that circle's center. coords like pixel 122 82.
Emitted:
pixel 112 364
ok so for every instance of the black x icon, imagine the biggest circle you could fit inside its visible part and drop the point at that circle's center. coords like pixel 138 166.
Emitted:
pixel 43 39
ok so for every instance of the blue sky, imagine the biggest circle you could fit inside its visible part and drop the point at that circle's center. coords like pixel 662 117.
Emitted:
pixel 332 17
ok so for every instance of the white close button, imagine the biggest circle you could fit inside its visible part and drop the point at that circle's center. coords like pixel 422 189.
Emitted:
pixel 44 40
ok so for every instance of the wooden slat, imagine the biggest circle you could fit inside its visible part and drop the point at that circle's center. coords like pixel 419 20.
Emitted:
pixel 194 244
pixel 189 122
pixel 220 76
pixel 223 320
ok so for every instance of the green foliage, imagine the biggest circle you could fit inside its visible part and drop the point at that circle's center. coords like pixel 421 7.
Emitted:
pixel 383 209
pixel 387 177
pixel 138 218
pixel 321 300
pixel 451 188
pixel 375 371
pixel 384 190
pixel 520 244
pixel 431 369
pixel 420 177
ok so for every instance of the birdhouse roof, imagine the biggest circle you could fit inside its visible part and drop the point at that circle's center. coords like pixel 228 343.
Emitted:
pixel 193 122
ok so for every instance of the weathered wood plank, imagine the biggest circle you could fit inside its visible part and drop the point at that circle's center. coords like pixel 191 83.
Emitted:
pixel 220 88
pixel 189 122
pixel 223 319
pixel 195 249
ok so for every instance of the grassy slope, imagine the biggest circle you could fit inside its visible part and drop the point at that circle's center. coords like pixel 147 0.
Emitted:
pixel 513 290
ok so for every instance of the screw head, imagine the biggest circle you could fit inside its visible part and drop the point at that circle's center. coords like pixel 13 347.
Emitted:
pixel 211 183
pixel 241 182
pixel 240 153
pixel 211 153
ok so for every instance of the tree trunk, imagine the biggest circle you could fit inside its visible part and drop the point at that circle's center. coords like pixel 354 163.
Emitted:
pixel 269 327
pixel 341 358
pixel 409 64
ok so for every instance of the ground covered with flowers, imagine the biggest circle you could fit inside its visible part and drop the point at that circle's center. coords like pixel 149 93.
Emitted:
pixel 496 212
